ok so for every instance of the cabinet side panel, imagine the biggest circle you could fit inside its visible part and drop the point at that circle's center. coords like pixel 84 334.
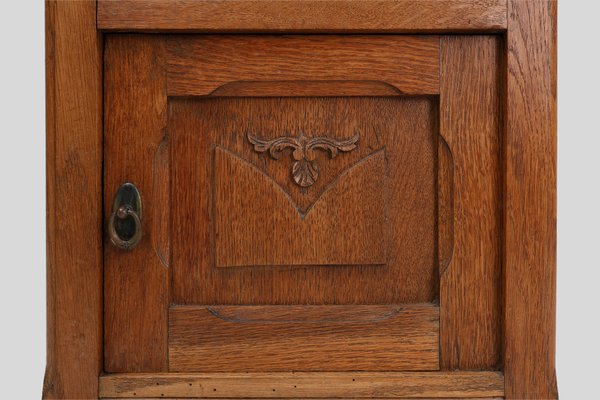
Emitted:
pixel 136 283
pixel 470 124
pixel 74 205
pixel 530 270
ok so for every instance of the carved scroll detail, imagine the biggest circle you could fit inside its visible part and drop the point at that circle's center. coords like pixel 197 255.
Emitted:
pixel 305 170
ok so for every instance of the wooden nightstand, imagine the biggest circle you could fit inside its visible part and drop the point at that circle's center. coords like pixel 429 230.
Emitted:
pixel 301 199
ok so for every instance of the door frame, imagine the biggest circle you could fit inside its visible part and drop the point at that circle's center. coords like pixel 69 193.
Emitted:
pixel 74 93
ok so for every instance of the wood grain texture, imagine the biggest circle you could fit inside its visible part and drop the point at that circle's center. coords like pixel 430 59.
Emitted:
pixel 201 64
pixel 470 293
pixel 530 216
pixel 74 200
pixel 277 233
pixel 470 123
pixel 303 338
pixel 306 385
pixel 404 128
pixel 136 282
pixel 352 16
pixel 161 170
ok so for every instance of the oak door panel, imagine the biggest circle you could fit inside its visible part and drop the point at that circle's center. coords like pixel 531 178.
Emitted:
pixel 274 187
pixel 363 232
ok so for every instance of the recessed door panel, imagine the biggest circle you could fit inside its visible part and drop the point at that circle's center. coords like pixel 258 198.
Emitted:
pixel 304 200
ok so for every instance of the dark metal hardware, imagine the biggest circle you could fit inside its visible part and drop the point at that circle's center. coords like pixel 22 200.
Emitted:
pixel 125 222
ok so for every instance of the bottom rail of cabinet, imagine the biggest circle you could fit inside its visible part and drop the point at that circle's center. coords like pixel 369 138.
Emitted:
pixel 310 385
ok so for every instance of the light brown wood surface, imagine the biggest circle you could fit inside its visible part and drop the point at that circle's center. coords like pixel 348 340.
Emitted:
pixel 136 283
pixel 530 215
pixel 472 222
pixel 390 16
pixel 306 385
pixel 470 124
pixel 74 201
pixel 259 224
pixel 304 338
pixel 200 64
pixel 368 234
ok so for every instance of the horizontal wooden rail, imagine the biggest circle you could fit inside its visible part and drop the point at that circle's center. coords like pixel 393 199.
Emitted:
pixel 392 16
pixel 201 65
pixel 459 384
pixel 308 338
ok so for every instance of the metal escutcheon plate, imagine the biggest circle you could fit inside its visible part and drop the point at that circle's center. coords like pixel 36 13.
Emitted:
pixel 125 222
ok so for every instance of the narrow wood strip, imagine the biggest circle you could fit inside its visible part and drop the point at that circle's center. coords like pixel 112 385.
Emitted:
pixel 398 16
pixel 74 200
pixel 530 215
pixel 308 338
pixel 470 123
pixel 445 205
pixel 305 88
pixel 136 281
pixel 457 384
pixel 161 171
pixel 317 398
pixel 199 65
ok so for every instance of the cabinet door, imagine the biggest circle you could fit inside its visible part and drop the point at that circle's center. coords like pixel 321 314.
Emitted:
pixel 310 203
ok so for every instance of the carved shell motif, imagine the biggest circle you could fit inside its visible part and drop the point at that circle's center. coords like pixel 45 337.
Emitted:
pixel 305 170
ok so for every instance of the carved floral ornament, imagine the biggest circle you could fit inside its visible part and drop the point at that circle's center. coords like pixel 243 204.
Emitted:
pixel 305 170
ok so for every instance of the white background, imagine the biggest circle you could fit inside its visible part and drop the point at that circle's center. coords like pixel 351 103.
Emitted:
pixel 22 200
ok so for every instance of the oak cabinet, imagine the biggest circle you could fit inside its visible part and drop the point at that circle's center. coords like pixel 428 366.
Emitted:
pixel 301 199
